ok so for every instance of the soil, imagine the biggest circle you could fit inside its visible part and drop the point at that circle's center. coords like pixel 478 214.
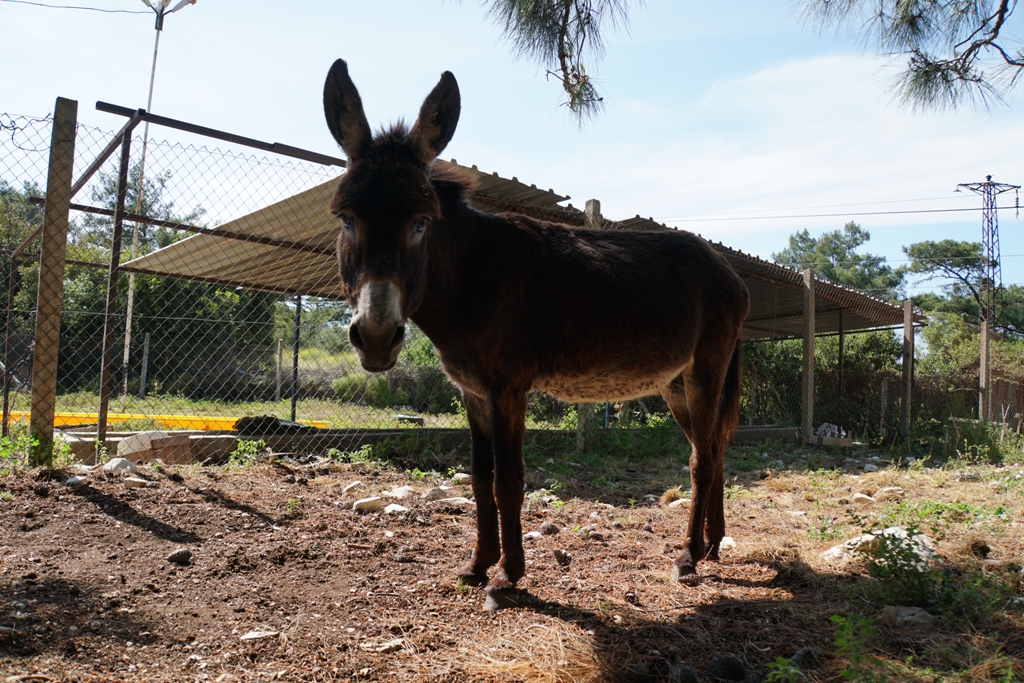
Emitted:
pixel 286 582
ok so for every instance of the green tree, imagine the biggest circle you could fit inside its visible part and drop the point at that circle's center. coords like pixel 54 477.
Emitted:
pixel 834 256
pixel 956 50
pixel 562 37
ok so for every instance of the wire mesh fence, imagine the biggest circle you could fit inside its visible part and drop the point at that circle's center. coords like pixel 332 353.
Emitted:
pixel 226 303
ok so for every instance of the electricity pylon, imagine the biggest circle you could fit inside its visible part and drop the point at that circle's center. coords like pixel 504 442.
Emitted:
pixel 992 280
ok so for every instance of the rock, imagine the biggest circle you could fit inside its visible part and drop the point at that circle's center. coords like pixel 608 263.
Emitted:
pixel 402 492
pixel 384 648
pixel 74 481
pixel 616 524
pixel 727 543
pixel 888 493
pixel 175 477
pixel 358 466
pixel 967 476
pixel 922 546
pixel 352 487
pixel 119 466
pixel 373 504
pixel 778 465
pixel 168 447
pixel 82 469
pixel 41 490
pixel 457 502
pixel 861 500
pixel 395 509
pixel 648 528
pixel 563 558
pixel 808 658
pixel 595 535
pixel 135 483
pixel 906 618
pixel 181 556
pixel 437 493
pixel 870 467
pixel 259 635
pixel 462 478
pixel 727 668
pixel 651 498
pixel 531 536
pixel 289 478
pixel 549 482
pixel 680 672
pixel 679 502
pixel 549 529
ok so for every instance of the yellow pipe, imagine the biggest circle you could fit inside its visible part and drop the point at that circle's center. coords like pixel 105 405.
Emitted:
pixel 200 422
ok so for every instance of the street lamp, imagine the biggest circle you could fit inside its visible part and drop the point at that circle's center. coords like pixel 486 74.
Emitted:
pixel 160 8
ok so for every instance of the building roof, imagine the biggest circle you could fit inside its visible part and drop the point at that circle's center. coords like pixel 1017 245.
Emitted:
pixel 288 247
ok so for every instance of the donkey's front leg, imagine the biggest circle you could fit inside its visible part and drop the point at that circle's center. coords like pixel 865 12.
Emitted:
pixel 488 548
pixel 508 416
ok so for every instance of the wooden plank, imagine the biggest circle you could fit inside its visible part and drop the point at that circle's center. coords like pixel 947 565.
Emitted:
pixel 807 393
pixel 51 278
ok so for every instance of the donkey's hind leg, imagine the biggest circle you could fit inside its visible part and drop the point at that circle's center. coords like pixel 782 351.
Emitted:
pixel 693 398
pixel 488 549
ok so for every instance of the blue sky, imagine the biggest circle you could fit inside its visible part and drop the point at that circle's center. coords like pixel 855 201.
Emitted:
pixel 717 124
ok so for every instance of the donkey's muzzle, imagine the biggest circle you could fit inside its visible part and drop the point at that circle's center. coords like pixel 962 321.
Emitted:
pixel 377 331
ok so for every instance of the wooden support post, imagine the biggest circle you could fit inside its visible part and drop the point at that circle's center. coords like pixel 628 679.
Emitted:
pixel 984 375
pixel 144 375
pixel 53 253
pixel 807 395
pixel 908 368
pixel 585 411
pixel 107 357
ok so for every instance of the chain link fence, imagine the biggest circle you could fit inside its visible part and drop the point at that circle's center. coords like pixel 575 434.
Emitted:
pixel 181 339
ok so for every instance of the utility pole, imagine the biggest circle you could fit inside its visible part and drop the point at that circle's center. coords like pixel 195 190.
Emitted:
pixel 991 281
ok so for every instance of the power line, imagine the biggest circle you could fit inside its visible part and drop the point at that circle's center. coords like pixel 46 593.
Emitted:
pixel 91 9
pixel 815 206
pixel 830 215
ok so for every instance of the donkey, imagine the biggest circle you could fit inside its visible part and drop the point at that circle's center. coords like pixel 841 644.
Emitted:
pixel 514 304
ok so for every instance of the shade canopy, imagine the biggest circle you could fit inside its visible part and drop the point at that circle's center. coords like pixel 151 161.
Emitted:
pixel 288 247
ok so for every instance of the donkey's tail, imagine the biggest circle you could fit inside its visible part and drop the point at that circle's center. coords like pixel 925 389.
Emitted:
pixel 729 411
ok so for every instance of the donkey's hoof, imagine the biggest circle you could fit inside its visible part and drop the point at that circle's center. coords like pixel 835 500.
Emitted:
pixel 684 573
pixel 471 579
pixel 501 599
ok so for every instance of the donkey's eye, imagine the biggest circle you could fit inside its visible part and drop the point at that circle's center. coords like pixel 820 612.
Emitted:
pixel 420 225
pixel 348 222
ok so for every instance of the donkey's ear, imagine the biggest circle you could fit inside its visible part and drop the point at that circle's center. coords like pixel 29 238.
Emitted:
pixel 438 117
pixel 344 112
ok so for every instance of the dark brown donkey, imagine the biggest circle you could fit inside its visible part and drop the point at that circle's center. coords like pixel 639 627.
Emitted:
pixel 514 304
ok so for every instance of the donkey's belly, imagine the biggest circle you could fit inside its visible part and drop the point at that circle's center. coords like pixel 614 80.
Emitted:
pixel 605 386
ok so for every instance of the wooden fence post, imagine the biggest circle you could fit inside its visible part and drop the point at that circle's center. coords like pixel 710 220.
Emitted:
pixel 908 368
pixel 807 394
pixel 585 411
pixel 52 255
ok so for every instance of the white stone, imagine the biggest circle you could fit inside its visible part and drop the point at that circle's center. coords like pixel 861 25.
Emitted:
pixel 728 543
pixel 869 467
pixel 395 509
pixel 368 505
pixel 888 493
pixel 168 447
pixel 906 617
pixel 462 478
pixel 459 501
pixel 352 487
pixel 532 535
pixel 135 483
pixel 119 465
pixel 259 635
pixel 74 481
pixel 402 492
pixel 438 493
pixel 922 546
pixel 862 500
pixel 679 502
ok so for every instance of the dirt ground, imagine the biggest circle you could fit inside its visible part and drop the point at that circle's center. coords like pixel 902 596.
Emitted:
pixel 287 582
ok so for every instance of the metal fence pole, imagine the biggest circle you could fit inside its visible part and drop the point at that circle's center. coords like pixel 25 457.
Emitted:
pixel 107 357
pixel 12 282
pixel 295 354
pixel 807 399
pixel 280 370
pixel 908 367
pixel 144 375
pixel 53 253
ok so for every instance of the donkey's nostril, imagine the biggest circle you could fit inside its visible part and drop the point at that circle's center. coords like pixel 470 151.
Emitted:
pixel 354 337
pixel 399 336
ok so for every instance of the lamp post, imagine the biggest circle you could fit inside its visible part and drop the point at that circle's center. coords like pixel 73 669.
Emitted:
pixel 159 7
